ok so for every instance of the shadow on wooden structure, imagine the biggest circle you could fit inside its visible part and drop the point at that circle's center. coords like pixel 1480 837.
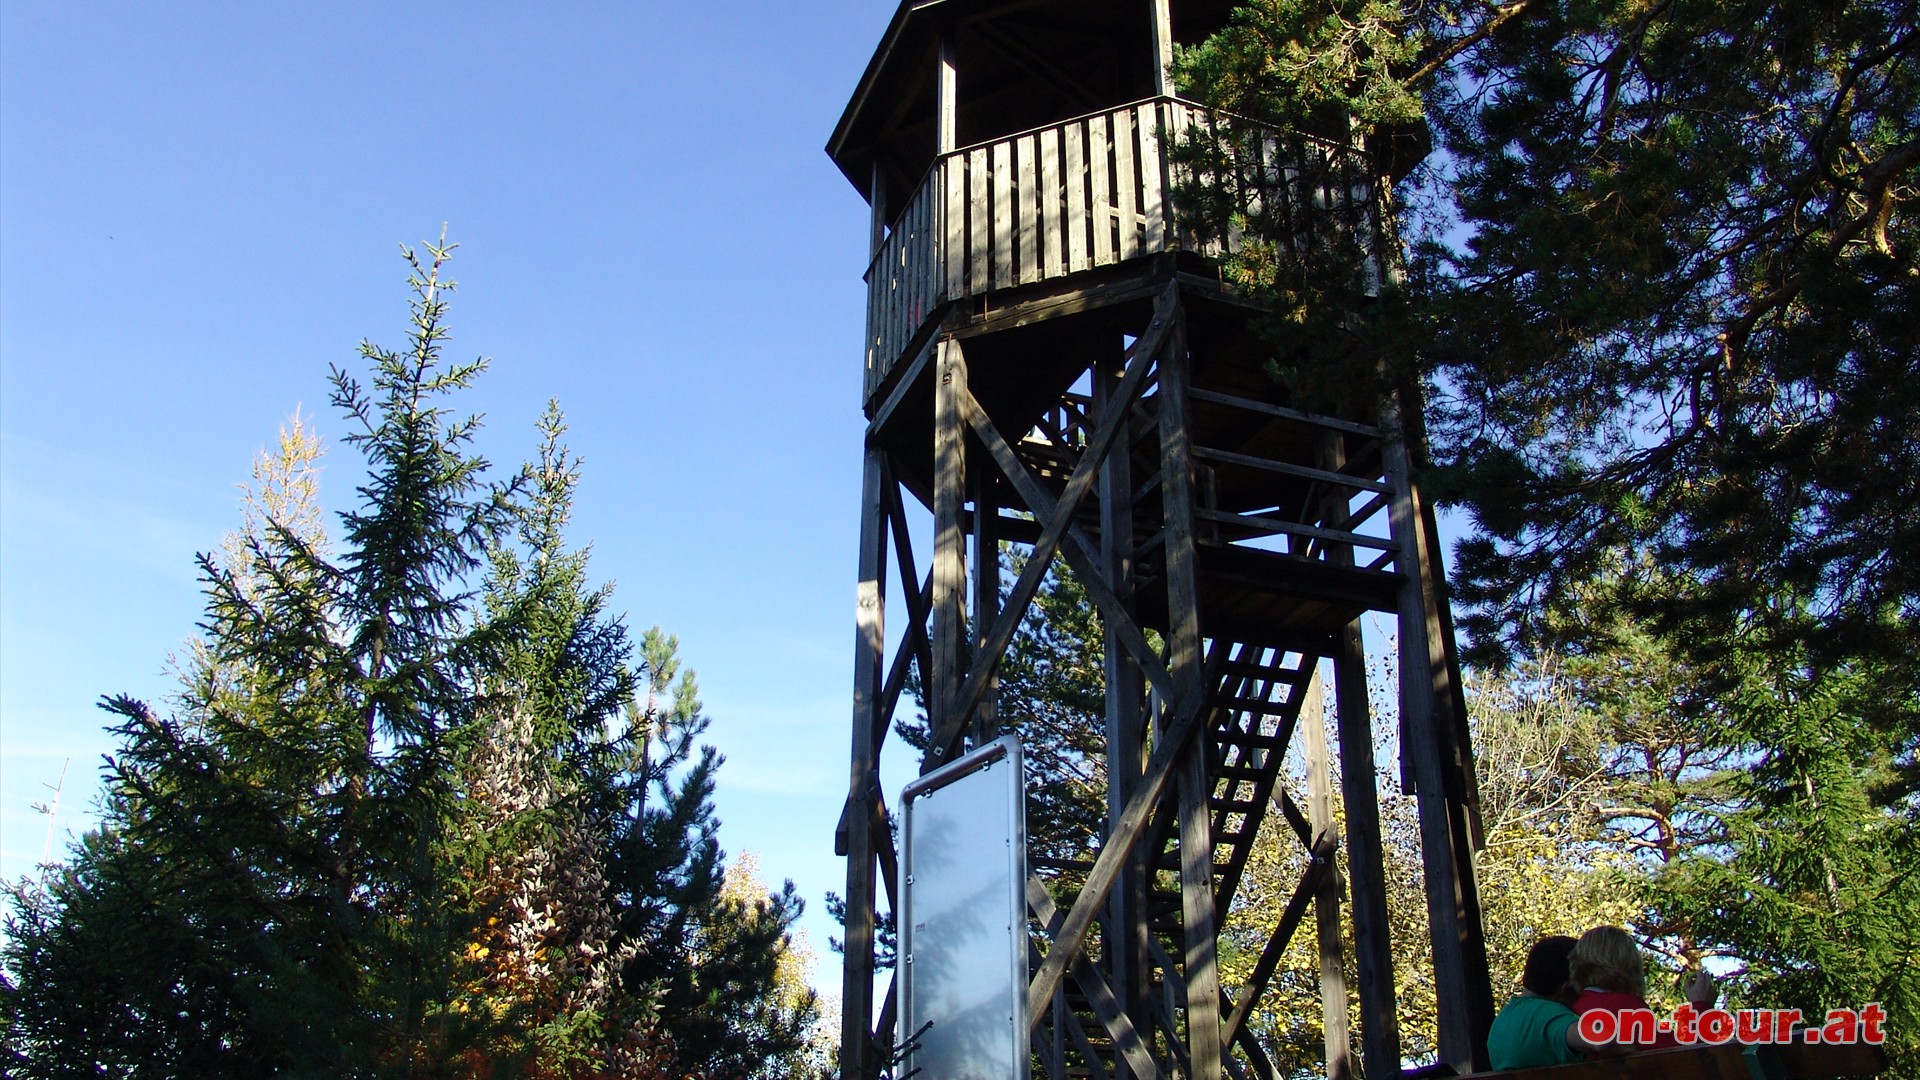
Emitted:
pixel 1054 367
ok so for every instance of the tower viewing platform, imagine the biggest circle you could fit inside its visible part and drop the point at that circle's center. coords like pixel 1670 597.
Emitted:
pixel 1056 372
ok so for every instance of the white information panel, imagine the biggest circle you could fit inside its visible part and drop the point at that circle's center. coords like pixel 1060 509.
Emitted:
pixel 963 926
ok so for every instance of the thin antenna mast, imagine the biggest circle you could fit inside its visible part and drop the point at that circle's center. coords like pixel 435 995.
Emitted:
pixel 51 810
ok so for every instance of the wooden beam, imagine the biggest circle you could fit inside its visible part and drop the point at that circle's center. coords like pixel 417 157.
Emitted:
pixel 949 548
pixel 1178 731
pixel 1373 951
pixel 1326 898
pixel 856 988
pixel 1058 517
pixel 946 93
pixel 986 597
pixel 1162 21
pixel 877 210
pixel 1424 703
pixel 1127 934
pixel 1127 1040
pixel 1366 859
pixel 1294 528
pixel 1200 932
pixel 1318 869
pixel 1289 469
pixel 1316 419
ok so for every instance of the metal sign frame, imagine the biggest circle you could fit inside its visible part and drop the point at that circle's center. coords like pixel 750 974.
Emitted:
pixel 963 928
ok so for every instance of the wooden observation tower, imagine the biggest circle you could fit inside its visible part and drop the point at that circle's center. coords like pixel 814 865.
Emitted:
pixel 1053 365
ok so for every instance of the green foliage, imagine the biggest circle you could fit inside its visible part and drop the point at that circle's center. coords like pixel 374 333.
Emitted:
pixel 1674 311
pixel 1661 288
pixel 1325 66
pixel 406 816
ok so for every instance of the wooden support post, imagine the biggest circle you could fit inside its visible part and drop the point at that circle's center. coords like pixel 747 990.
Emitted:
pixel 1126 718
pixel 877 209
pixel 1162 22
pixel 1373 952
pixel 946 90
pixel 1326 898
pixel 1199 964
pixel 858 1061
pixel 1465 1006
pixel 986 596
pixel 949 548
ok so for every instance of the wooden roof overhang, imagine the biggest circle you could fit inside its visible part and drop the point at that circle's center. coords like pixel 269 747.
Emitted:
pixel 1020 64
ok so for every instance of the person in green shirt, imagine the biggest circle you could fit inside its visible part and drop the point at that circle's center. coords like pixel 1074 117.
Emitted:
pixel 1538 1027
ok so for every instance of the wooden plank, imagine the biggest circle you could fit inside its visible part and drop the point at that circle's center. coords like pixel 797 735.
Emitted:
pixel 1026 208
pixel 1126 188
pixel 1283 412
pixel 1294 528
pixel 1153 180
pixel 874 374
pixel 1288 468
pixel 952 173
pixel 883 330
pixel 1052 260
pixel 979 222
pixel 1002 215
pixel 1179 123
pixel 1076 181
pixel 920 263
pixel 1100 197
pixel 949 543
pixel 1200 963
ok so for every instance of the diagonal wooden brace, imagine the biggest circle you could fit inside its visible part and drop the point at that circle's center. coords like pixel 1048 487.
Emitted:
pixel 1126 1038
pixel 1072 936
pixel 1075 548
pixel 1297 905
pixel 1139 360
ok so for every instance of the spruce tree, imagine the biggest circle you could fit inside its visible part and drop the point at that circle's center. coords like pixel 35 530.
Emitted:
pixel 413 812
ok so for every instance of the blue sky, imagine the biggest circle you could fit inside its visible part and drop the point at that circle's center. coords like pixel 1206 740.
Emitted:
pixel 200 209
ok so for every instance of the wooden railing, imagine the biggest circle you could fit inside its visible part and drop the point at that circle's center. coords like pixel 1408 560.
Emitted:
pixel 1090 192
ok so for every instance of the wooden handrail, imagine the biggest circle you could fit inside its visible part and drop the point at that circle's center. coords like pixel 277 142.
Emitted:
pixel 1066 197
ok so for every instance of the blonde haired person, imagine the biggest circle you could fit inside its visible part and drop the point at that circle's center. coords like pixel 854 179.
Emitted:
pixel 1610 973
